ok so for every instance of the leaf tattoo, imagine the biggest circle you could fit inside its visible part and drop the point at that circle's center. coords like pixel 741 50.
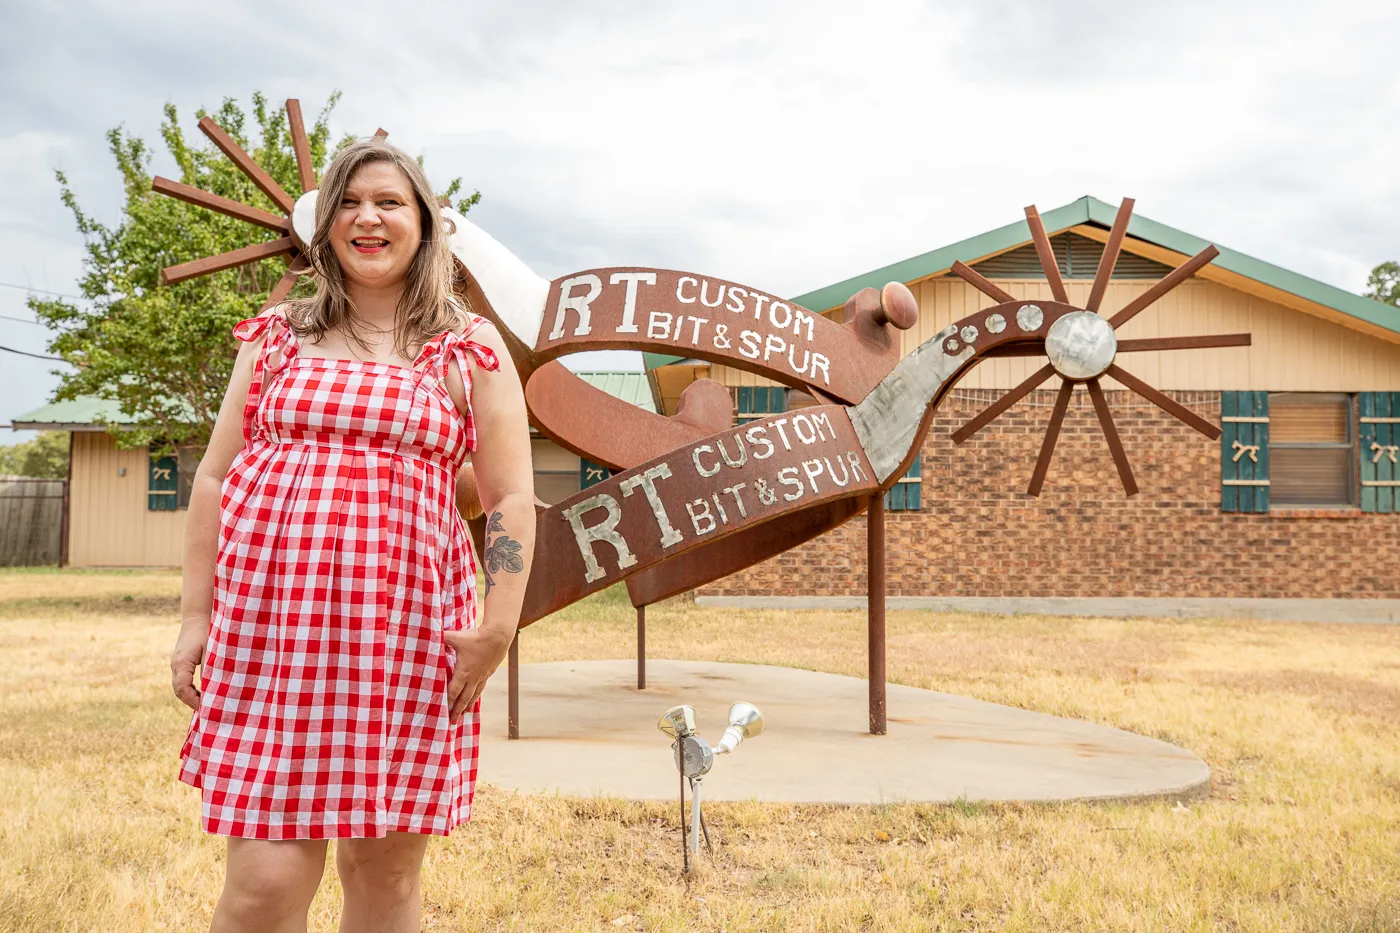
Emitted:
pixel 502 552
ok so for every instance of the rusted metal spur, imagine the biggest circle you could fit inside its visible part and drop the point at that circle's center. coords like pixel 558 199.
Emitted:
pixel 696 498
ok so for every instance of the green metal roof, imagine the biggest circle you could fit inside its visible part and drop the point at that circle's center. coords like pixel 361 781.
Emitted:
pixel 1092 210
pixel 83 413
pixel 628 386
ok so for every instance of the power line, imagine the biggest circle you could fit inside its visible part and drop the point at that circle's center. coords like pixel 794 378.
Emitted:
pixel 37 356
pixel 42 291
pixel 22 320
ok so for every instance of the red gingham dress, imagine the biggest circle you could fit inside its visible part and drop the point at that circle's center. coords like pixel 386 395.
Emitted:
pixel 342 559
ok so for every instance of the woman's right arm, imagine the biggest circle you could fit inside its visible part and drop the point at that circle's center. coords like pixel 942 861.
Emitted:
pixel 202 527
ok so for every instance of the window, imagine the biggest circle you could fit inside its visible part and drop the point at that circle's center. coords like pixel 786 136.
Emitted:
pixel 1312 451
pixel 754 402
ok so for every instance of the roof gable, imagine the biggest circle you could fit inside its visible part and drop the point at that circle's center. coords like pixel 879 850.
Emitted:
pixel 1146 237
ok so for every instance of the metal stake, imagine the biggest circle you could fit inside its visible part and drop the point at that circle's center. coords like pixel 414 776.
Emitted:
pixel 695 820
pixel 685 849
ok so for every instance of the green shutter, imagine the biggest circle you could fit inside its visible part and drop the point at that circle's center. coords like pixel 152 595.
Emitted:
pixel 754 402
pixel 163 485
pixel 1379 433
pixel 743 403
pixel 1244 451
pixel 590 473
pixel 905 495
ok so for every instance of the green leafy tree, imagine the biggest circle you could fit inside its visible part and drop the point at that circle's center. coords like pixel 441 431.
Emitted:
pixel 165 353
pixel 45 456
pixel 1384 283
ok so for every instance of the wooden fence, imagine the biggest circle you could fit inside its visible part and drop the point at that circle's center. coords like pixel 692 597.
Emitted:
pixel 31 521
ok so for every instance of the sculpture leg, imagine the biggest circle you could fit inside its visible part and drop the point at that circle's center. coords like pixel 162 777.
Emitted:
pixel 513 688
pixel 875 608
pixel 641 647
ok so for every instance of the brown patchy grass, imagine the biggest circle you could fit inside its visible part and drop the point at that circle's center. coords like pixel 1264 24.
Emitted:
pixel 1298 723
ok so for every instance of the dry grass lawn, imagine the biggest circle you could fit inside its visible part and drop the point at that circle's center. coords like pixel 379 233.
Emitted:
pixel 1297 722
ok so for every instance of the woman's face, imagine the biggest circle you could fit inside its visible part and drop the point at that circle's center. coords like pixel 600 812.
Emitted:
pixel 377 228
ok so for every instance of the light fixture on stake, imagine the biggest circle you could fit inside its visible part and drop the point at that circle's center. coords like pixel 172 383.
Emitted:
pixel 695 758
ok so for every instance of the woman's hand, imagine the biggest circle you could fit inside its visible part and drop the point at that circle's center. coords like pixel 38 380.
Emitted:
pixel 188 654
pixel 479 652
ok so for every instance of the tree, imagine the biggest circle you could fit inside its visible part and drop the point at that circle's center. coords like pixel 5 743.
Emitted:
pixel 45 457
pixel 1384 283
pixel 165 353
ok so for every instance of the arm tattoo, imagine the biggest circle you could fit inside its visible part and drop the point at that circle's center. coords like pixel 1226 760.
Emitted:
pixel 502 552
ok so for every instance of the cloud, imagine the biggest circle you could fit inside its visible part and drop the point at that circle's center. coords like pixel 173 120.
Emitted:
pixel 787 145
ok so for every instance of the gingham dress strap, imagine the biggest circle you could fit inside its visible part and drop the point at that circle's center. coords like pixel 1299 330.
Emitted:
pixel 450 346
pixel 279 338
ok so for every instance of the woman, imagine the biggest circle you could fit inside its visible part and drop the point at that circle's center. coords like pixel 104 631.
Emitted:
pixel 329 584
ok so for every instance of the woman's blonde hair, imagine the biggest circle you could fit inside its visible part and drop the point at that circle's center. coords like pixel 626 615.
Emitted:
pixel 427 306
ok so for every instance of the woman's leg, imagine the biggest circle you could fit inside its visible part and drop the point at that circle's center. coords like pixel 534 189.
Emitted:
pixel 381 882
pixel 269 885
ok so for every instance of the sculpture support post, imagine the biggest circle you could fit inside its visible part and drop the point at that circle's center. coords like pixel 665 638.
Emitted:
pixel 513 688
pixel 875 608
pixel 641 647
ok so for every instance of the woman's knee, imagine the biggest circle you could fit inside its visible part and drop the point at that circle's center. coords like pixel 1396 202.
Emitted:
pixel 268 881
pixel 382 869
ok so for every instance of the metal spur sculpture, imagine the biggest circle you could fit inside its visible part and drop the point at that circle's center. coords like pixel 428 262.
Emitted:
pixel 695 498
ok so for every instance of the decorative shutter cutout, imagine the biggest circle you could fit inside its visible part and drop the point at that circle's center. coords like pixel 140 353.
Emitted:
pixel 163 485
pixel 1379 432
pixel 590 473
pixel 906 495
pixel 1244 451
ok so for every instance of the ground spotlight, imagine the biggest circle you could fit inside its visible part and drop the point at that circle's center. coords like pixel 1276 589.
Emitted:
pixel 694 759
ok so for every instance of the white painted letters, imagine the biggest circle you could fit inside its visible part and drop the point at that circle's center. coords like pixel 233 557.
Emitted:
pixel 606 530
pixel 647 480
pixel 578 303
pixel 629 303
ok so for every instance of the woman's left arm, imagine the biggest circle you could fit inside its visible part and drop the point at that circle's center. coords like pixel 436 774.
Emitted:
pixel 505 484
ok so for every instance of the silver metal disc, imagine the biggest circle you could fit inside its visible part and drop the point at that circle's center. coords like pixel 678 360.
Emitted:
pixel 1081 345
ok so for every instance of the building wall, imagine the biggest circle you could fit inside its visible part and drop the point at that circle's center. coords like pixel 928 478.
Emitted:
pixel 111 526
pixel 1292 351
pixel 109 523
pixel 556 470
pixel 979 534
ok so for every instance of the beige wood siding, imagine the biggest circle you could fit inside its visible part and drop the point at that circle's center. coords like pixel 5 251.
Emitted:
pixel 110 525
pixel 1292 351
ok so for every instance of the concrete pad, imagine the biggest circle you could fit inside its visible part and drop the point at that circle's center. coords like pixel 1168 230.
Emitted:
pixel 586 730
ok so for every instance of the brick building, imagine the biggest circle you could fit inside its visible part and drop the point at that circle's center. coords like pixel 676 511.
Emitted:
pixel 1298 499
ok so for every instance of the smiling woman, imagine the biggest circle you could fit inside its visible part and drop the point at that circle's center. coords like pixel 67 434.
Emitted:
pixel 376 225
pixel 330 584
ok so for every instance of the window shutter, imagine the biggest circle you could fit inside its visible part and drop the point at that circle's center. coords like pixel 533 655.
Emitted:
pixel 590 473
pixel 163 485
pixel 1379 431
pixel 906 494
pixel 754 402
pixel 1244 451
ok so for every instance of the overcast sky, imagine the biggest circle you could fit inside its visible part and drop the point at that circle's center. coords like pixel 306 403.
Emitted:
pixel 787 145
